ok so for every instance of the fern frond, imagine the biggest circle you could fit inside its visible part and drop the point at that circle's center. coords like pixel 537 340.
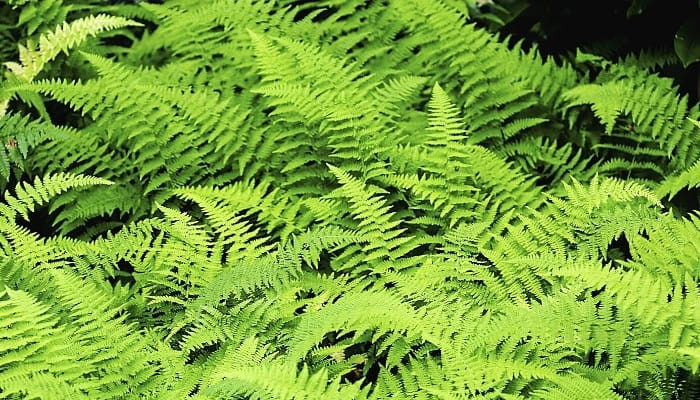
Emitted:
pixel 66 36
pixel 28 196
pixel 671 185
pixel 443 118
pixel 653 105
pixel 547 76
pixel 602 190
pixel 30 335
pixel 18 135
pixel 548 158
pixel 352 312
pixel 82 348
pixel 375 222
pixel 282 381
pixel 274 207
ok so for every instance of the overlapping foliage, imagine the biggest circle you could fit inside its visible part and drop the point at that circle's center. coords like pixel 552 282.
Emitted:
pixel 340 200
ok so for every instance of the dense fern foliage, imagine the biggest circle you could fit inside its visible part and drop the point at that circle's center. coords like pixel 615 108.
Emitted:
pixel 339 199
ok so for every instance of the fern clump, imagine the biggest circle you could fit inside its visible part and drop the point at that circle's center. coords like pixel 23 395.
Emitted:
pixel 339 200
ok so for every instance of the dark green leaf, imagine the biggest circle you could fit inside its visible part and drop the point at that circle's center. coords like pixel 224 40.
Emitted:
pixel 687 42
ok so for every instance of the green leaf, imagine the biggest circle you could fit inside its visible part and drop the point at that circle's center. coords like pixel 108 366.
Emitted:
pixel 687 42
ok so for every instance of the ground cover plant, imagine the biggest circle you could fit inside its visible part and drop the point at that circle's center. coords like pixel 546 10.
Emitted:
pixel 338 199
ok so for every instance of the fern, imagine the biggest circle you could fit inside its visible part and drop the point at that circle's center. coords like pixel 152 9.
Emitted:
pixel 27 196
pixel 32 60
pixel 280 382
pixel 675 183
pixel 338 199
pixel 76 345
pixel 657 115
pixel 19 136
